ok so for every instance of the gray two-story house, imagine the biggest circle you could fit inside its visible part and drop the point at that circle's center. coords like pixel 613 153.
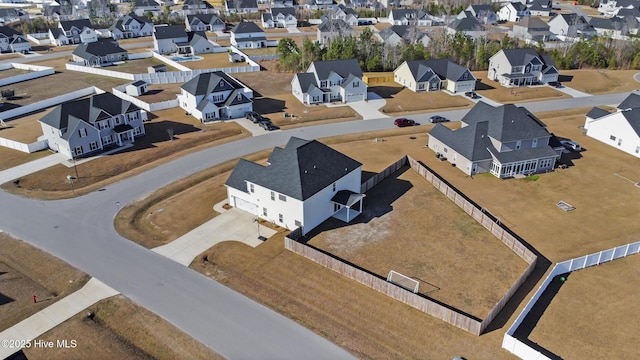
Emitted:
pixel 91 125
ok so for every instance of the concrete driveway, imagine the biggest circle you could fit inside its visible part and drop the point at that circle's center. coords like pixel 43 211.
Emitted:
pixel 232 224
pixel 571 92
pixel 369 109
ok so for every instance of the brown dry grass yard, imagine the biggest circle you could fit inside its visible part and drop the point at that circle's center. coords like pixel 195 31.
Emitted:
pixel 12 72
pixel 600 81
pixel 401 100
pixel 121 329
pixel 150 150
pixel 360 319
pixel 433 240
pixel 212 61
pixel 589 303
pixel 496 92
pixel 273 97
pixel 11 158
pixel 27 271
pixel 161 92
pixel 138 66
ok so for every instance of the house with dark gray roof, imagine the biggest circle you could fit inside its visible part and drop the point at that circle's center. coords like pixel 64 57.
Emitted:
pixel 100 53
pixel 215 96
pixel 410 17
pixel 302 185
pixel 192 7
pixel 349 15
pixel 331 29
pixel 92 125
pixel 532 28
pixel 611 7
pixel 540 7
pixel 396 35
pixel 620 129
pixel 248 35
pixel 78 31
pixel 279 17
pixel 147 6
pixel 197 43
pixel 513 12
pixel 166 37
pixel 433 75
pixel 482 12
pixel 10 15
pixel 131 26
pixel 521 67
pixel 505 141
pixel 469 26
pixel 330 81
pixel 615 28
pixel 204 22
pixel 241 6
pixel 13 41
pixel 571 25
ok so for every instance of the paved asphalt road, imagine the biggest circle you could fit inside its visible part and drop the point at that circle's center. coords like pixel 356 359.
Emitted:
pixel 80 231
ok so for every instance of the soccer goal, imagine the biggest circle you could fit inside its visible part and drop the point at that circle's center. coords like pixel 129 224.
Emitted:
pixel 403 281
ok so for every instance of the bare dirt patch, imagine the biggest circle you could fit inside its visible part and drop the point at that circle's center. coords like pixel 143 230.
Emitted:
pixel 600 81
pixel 588 303
pixel 26 271
pixel 120 329
pixel 401 100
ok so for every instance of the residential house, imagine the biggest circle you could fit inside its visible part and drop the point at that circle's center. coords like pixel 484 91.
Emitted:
pixel 433 75
pixel 197 43
pixel 76 32
pixel 192 7
pixel 395 35
pixel 540 8
pixel 99 53
pixel 131 26
pixel 410 16
pixel 282 17
pixel 329 81
pixel 241 6
pixel 166 37
pixel 331 29
pixel 342 12
pixel 61 10
pixel 302 185
pixel 571 25
pixel 513 12
pixel 483 13
pixel 610 7
pixel 13 41
pixel 620 129
pixel 614 27
pixel 11 15
pixel 90 125
pixel 204 22
pixel 632 18
pixel 143 7
pixel 505 141
pixel 521 67
pixel 215 96
pixel 281 3
pixel 469 26
pixel 532 28
pixel 247 34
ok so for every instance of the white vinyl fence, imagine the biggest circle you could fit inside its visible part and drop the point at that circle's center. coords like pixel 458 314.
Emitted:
pixel 523 351
pixel 35 72
pixel 19 111
pixel 27 148
pixel 121 93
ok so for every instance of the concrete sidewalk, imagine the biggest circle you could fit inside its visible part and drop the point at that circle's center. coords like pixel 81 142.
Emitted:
pixel 46 319
pixel 30 167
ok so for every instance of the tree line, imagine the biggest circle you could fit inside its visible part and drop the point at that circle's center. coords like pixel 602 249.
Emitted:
pixel 598 52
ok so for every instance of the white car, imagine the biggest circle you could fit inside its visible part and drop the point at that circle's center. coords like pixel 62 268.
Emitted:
pixel 571 145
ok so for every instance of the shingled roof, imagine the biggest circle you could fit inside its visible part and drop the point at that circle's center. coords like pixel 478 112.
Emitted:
pixel 207 83
pixel 507 122
pixel 299 170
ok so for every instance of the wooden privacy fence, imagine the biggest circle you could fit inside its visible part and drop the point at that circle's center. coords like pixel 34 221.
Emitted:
pixel 441 311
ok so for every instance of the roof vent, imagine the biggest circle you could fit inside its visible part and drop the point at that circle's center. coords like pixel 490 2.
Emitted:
pixel 346 169
pixel 305 171
pixel 314 166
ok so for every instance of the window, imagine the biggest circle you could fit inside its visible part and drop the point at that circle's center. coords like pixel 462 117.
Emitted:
pixel 282 198
pixel 106 140
pixel 217 98
pixel 336 207
pixel 137 130
pixel 298 223
pixel 273 195
pixel 334 187
pixel 77 150
pixel 251 189
pixel 518 145
pixel 637 149
pixel 534 143
pixel 356 84
pixel 446 150
pixel 323 84
pixel 93 145
pixel 264 211
pixel 612 138
pixel 118 120
pixel 619 142
pixel 103 124
pixel 280 218
pixel 82 132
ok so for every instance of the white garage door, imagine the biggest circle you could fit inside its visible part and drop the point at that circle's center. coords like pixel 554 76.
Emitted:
pixel 245 205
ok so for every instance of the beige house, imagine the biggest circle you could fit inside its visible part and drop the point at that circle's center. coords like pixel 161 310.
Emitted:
pixel 433 75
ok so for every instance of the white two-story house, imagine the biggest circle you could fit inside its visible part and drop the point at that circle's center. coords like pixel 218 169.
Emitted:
pixel 13 41
pixel 330 81
pixel 215 96
pixel 91 125
pixel 248 35
pixel 571 25
pixel 513 12
pixel 506 141
pixel 74 32
pixel 204 22
pixel 131 26
pixel 619 129
pixel 282 17
pixel 302 185
pixel 166 38
pixel 521 67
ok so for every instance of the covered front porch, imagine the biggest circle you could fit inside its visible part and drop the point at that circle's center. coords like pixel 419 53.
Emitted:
pixel 347 205
pixel 517 79
pixel 124 134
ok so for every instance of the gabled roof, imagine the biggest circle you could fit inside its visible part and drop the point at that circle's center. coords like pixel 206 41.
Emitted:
pixel 242 4
pixel 481 8
pixel 466 24
pixel 198 3
pixel 346 10
pixel 532 22
pixel 205 18
pixel 344 68
pixel 630 102
pixel 401 31
pixel 420 70
pixel 597 113
pixel 79 24
pixel 11 12
pixel 633 117
pixel 207 83
pixel 448 69
pixel 334 25
pixel 409 14
pixel 284 11
pixel 146 3
pixel 299 170
pixel 128 19
pixel 246 27
pixel 522 56
pixel 539 6
pixel 56 32
pixel 507 122
pixel 90 110
pixel 471 141
pixel 195 36
pixel 9 31
pixel 520 7
pixel 613 23
pixel 169 32
pixel 307 81
pixel 102 47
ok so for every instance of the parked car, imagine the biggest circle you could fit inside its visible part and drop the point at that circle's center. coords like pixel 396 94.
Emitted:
pixel 267 125
pixel 471 94
pixel 555 84
pixel 438 119
pixel 402 122
pixel 254 116
pixel 571 145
